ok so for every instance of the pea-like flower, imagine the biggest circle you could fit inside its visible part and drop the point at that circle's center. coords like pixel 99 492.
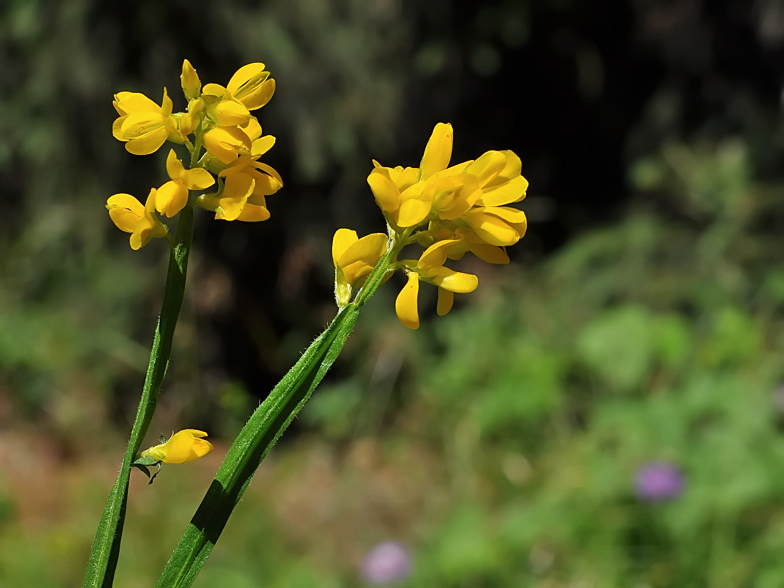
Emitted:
pixel 184 446
pixel 430 268
pixel 143 125
pixel 354 259
pixel 173 195
pixel 141 221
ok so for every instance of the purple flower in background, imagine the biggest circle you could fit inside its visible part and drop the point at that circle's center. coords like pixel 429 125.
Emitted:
pixel 658 482
pixel 386 563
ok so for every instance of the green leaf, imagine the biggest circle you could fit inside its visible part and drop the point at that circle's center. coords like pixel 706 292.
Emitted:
pixel 106 545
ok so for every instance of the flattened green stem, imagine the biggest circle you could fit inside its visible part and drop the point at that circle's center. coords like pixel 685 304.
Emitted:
pixel 396 243
pixel 250 447
pixel 106 545
pixel 265 426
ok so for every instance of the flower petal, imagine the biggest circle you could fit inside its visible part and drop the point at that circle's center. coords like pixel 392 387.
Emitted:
pixel 384 189
pixel 369 249
pixel 341 241
pixel 229 113
pixel 174 167
pixel 435 255
pixel 446 299
pixel 438 150
pixel 406 302
pixel 149 143
pixel 225 143
pixel 506 193
pixel 148 226
pixel 236 191
pixel 488 166
pixel 262 145
pixel 489 253
pixel 252 213
pixel 197 179
pixel 449 279
pixel 511 170
pixel 415 205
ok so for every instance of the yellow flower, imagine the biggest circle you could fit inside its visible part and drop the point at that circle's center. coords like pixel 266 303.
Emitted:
pixel 229 204
pixel 401 192
pixel 430 268
pixel 184 446
pixel 143 125
pixel 130 216
pixel 354 259
pixel 173 195
pixel 252 86
pixel 267 183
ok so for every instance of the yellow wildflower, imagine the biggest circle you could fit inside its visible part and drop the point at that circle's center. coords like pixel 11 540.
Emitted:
pixel 184 446
pixel 173 195
pixel 143 125
pixel 430 268
pixel 252 85
pixel 354 259
pixel 229 204
pixel 130 216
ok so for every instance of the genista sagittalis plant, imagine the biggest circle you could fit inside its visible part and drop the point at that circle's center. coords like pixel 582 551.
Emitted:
pixel 447 211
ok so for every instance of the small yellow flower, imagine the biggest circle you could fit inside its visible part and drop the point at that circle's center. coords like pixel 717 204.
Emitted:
pixel 252 85
pixel 231 202
pixel 143 125
pixel 173 195
pixel 184 446
pixel 430 268
pixel 130 216
pixel 354 259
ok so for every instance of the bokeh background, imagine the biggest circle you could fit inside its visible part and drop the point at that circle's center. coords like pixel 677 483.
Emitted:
pixel 607 410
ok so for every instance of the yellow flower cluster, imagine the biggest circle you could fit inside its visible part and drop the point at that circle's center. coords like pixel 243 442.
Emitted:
pixel 464 208
pixel 218 120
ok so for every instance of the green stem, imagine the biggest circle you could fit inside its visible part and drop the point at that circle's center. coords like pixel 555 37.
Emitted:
pixel 376 277
pixel 251 446
pixel 264 428
pixel 106 545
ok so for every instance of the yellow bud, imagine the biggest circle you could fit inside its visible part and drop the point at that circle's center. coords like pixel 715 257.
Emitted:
pixel 191 84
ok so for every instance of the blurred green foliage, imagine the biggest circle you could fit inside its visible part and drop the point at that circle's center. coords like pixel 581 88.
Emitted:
pixel 499 443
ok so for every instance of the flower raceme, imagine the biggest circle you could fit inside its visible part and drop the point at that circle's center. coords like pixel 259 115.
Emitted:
pixel 218 120
pixel 464 208
pixel 184 446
